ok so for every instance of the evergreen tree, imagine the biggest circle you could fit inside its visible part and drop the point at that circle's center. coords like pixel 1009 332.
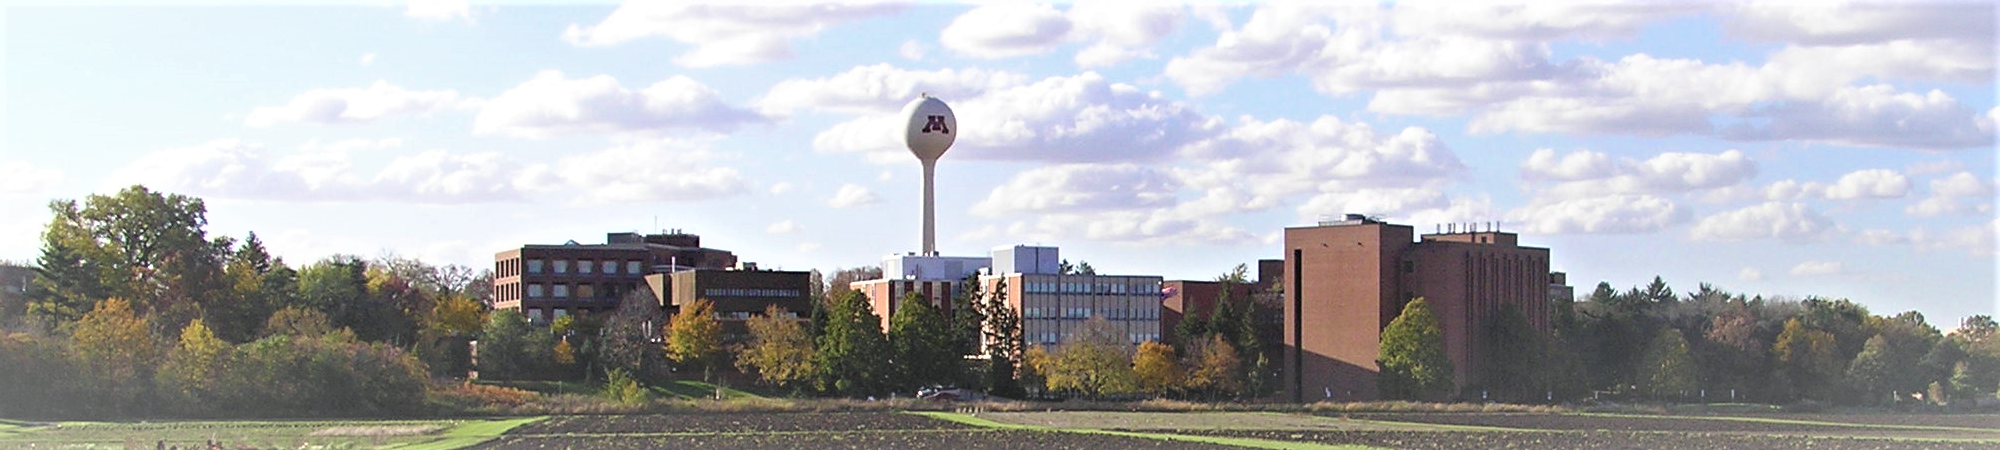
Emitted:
pixel 1413 363
pixel 1514 348
pixel 924 346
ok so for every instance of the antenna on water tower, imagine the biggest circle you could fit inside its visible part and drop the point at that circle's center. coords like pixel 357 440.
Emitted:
pixel 930 132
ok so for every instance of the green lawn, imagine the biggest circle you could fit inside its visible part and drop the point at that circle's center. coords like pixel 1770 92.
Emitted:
pixel 350 434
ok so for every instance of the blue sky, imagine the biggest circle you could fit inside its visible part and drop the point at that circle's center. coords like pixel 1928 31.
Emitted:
pixel 1782 149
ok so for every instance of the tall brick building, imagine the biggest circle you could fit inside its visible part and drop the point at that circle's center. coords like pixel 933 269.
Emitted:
pixel 550 281
pixel 1345 280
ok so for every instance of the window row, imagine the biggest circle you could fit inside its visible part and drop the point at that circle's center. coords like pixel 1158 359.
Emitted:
pixel 1034 312
pixel 584 266
pixel 538 290
pixel 1051 338
pixel 738 292
pixel 1100 288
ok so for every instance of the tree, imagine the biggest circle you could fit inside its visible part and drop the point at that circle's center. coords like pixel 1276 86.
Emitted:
pixel 296 321
pixel 1668 367
pixel 193 372
pixel 1937 365
pixel 780 351
pixel 1514 349
pixel 1214 368
pixel 1807 358
pixel 1003 342
pixel 136 244
pixel 458 315
pixel 115 350
pixel 511 349
pixel 695 338
pixel 631 337
pixel 851 348
pixel 1084 268
pixel 843 277
pixel 1874 371
pixel 1096 361
pixel 924 347
pixel 1413 363
pixel 1658 293
pixel 1157 368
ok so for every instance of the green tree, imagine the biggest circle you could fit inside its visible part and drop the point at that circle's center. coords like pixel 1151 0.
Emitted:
pixel 630 338
pixel 1874 371
pixel 137 244
pixel 1515 351
pixel 695 338
pixel 1413 363
pixel 1668 366
pixel 851 348
pixel 1096 361
pixel 924 346
pixel 511 349
pixel 1157 368
pixel 1936 367
pixel 780 351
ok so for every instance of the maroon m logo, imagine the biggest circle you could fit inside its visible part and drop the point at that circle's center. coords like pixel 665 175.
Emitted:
pixel 936 123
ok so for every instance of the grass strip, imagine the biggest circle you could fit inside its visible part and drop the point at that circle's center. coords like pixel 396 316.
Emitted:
pixel 1794 422
pixel 468 434
pixel 1217 440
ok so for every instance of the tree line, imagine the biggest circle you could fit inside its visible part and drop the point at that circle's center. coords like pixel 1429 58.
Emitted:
pixel 1649 343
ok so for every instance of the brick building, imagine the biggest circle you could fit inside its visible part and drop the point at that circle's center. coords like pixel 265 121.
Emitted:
pixel 1344 281
pixel 737 295
pixel 550 281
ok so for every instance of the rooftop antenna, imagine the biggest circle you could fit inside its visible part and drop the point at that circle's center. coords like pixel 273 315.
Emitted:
pixel 928 134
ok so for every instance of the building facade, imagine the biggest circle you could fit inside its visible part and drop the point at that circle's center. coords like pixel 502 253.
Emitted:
pixel 935 279
pixel 1053 305
pixel 545 282
pixel 1344 281
pixel 737 295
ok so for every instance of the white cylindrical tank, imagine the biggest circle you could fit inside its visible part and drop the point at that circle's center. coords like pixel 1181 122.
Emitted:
pixel 930 131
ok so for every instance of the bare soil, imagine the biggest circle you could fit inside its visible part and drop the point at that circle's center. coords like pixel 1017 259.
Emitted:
pixel 1581 440
pixel 735 423
pixel 943 439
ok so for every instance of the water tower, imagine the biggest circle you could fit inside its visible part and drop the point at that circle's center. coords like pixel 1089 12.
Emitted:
pixel 930 131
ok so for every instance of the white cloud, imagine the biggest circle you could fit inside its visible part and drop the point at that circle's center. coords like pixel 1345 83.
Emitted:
pixel 1881 238
pixel 809 247
pixel 1870 183
pixel 237 169
pixel 1750 274
pixel 1843 23
pixel 1935 206
pixel 352 105
pixel 911 50
pixel 1533 21
pixel 1080 187
pixel 781 188
pixel 852 195
pixel 1267 161
pixel 1818 268
pixel 1935 59
pixel 1001 30
pixel 643 171
pixel 1154 227
pixel 20 179
pixel 1586 173
pixel 882 88
pixel 1933 167
pixel 784 227
pixel 551 104
pixel 367 59
pixel 723 33
pixel 1875 116
pixel 1962 184
pixel 438 9
pixel 1081 118
pixel 1793 222
pixel 1599 215
pixel 1123 30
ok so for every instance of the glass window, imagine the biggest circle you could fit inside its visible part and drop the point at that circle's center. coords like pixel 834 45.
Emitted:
pixel 534 314
pixel 586 291
pixel 610 267
pixel 534 266
pixel 584 266
pixel 535 291
pixel 561 312
pixel 561 290
pixel 562 266
pixel 632 267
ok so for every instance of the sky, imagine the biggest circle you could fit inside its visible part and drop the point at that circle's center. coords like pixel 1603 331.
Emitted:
pixel 1784 149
